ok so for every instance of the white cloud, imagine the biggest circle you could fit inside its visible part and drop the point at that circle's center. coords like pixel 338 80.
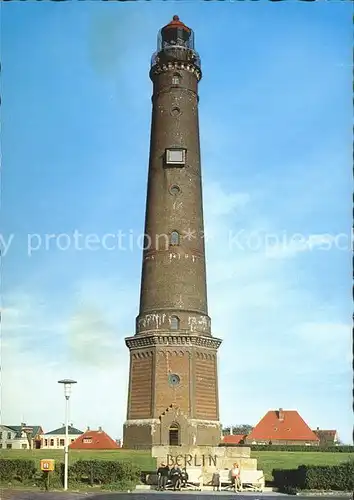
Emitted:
pixel 83 345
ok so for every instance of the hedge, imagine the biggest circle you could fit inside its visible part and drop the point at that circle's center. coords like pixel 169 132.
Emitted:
pixel 293 447
pixel 104 472
pixel 122 475
pixel 316 477
pixel 17 469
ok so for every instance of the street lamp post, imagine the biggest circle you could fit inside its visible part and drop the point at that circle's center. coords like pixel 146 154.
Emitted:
pixel 67 391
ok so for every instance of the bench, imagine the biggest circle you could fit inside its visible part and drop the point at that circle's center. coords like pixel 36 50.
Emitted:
pixel 249 479
pixel 225 480
pixel 252 479
pixel 195 479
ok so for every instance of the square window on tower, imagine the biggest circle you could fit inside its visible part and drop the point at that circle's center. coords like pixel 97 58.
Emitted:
pixel 175 157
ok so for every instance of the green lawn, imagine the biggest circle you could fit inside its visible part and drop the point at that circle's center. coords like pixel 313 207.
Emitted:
pixel 267 460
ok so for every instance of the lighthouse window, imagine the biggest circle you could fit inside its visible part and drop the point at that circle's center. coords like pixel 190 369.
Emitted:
pixel 175 111
pixel 175 190
pixel 173 379
pixel 174 323
pixel 175 156
pixel 174 238
pixel 176 79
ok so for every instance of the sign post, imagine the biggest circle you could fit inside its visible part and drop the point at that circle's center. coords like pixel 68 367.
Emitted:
pixel 47 466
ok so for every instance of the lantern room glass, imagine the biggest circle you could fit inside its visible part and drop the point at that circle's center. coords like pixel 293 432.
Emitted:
pixel 176 43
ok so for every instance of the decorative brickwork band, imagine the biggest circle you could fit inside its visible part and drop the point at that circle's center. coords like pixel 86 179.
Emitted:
pixel 139 342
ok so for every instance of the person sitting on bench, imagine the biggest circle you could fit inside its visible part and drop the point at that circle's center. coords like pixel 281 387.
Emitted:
pixel 162 474
pixel 175 476
pixel 235 477
pixel 184 477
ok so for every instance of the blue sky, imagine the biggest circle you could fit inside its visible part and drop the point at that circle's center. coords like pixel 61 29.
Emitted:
pixel 275 119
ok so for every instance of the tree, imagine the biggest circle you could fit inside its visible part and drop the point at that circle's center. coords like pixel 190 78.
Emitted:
pixel 29 434
pixel 244 429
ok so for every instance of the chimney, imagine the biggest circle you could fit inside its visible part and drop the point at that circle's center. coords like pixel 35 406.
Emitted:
pixel 281 415
pixel 23 424
pixel 88 428
pixel 231 430
pixel 100 429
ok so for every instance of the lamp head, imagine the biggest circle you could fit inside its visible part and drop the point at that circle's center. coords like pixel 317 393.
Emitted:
pixel 67 386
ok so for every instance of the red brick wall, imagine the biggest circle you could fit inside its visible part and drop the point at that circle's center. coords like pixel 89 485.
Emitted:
pixel 205 386
pixel 141 385
pixel 174 361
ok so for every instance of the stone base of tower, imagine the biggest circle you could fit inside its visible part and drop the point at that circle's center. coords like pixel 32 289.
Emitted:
pixel 207 458
pixel 145 434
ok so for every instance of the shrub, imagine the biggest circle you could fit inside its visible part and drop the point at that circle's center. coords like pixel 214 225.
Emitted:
pixel 316 477
pixel 104 472
pixel 16 469
pixel 294 447
pixel 336 477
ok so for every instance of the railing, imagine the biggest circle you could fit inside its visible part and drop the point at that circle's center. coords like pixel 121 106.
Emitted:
pixel 175 53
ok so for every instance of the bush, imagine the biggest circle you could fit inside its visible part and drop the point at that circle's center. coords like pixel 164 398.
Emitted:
pixel 293 447
pixel 16 469
pixel 316 477
pixel 112 474
pixel 104 472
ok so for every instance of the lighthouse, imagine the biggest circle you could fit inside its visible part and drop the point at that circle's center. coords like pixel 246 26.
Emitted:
pixel 173 374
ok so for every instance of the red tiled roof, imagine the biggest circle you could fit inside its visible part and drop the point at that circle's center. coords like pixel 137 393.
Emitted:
pixel 284 425
pixel 94 440
pixel 233 438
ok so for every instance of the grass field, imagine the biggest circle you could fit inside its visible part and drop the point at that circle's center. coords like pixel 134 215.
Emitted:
pixel 267 460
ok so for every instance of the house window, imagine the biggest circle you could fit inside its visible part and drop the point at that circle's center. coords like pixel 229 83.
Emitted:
pixel 61 442
pixel 175 157
pixel 9 446
pixel 174 240
pixel 52 442
pixel 24 446
pixel 72 440
pixel 174 323
pixel 87 440
pixel 46 442
pixel 0 435
pixel 9 435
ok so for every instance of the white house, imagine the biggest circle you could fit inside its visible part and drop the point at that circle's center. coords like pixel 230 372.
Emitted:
pixel 55 440
pixel 20 437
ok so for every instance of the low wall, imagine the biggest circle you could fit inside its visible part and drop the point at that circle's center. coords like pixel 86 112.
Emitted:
pixel 209 459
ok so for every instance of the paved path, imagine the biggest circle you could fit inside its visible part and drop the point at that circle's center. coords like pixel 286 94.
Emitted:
pixel 146 495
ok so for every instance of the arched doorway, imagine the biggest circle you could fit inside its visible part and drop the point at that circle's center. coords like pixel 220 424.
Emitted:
pixel 173 434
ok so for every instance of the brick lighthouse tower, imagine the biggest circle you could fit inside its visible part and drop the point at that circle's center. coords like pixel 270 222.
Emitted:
pixel 173 389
